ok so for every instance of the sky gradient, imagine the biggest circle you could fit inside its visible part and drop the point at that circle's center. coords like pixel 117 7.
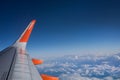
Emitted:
pixel 63 26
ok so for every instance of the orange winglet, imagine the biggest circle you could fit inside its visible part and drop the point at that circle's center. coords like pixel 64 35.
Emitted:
pixel 28 31
pixel 47 77
pixel 37 61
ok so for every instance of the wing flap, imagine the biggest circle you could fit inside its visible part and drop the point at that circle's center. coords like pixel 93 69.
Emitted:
pixel 37 61
pixel 47 77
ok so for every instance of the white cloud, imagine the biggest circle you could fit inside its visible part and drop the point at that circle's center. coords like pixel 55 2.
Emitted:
pixel 108 78
pixel 77 76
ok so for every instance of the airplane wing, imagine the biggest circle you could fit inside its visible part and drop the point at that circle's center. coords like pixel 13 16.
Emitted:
pixel 15 62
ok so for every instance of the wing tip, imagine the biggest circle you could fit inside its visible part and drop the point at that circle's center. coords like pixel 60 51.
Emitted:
pixel 27 32
pixel 23 39
pixel 34 20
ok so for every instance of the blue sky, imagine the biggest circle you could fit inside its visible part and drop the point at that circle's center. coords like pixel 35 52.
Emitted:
pixel 63 26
